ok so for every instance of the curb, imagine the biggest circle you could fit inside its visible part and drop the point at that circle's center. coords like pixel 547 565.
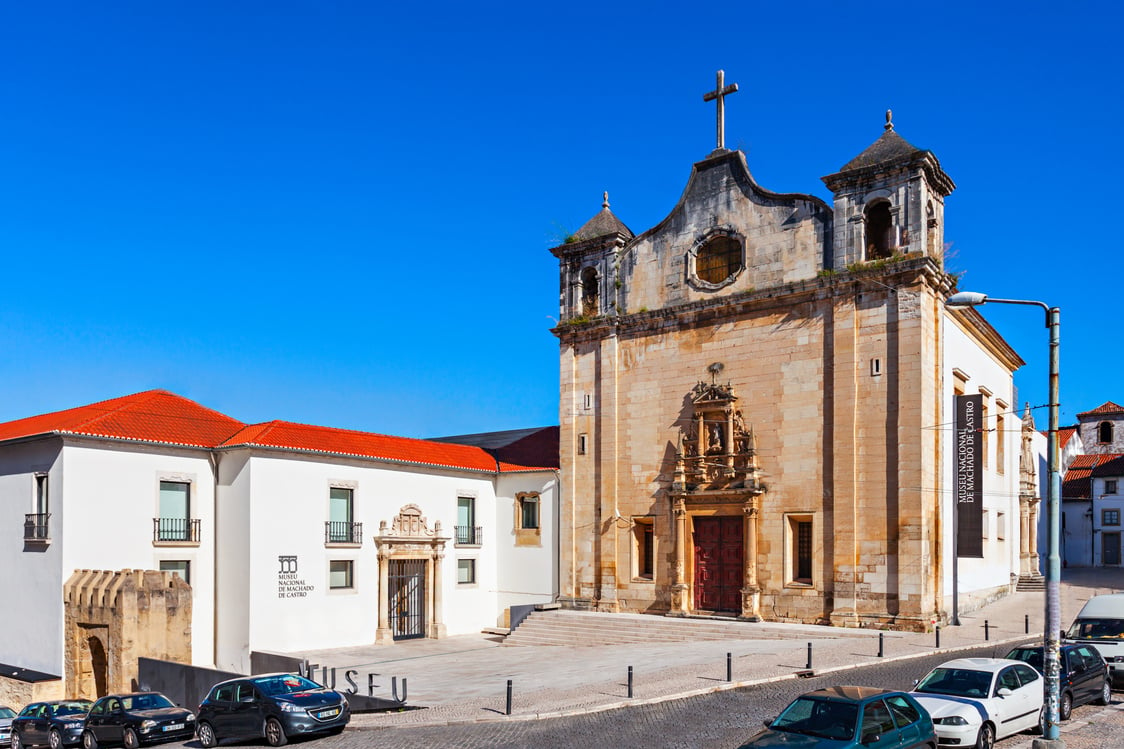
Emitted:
pixel 573 712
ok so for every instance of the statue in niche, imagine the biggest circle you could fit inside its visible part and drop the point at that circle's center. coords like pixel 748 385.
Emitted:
pixel 716 445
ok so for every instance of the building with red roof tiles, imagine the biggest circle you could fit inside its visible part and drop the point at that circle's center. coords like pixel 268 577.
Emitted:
pixel 291 536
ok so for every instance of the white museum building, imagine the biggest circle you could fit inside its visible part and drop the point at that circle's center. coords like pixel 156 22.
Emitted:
pixel 291 537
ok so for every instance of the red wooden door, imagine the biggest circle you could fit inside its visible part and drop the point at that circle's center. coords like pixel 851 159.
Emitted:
pixel 718 563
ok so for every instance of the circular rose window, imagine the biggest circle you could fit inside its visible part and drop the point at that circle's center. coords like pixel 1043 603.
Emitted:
pixel 719 258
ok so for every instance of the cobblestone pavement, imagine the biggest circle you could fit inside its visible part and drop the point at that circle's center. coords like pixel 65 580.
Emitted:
pixel 568 696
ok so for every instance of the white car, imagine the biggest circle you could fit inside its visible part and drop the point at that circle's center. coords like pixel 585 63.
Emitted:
pixel 974 701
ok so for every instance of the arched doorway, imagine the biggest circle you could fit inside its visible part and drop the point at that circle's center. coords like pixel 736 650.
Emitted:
pixel 93 664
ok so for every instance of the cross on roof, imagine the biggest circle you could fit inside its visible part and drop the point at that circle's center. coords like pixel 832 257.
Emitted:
pixel 720 94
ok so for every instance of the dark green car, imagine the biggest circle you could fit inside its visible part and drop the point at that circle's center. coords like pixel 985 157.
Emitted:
pixel 849 718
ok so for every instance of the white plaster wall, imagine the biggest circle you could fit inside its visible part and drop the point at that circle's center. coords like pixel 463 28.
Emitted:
pixel 288 508
pixel 31 629
pixel 1000 490
pixel 112 496
pixel 527 574
pixel 232 574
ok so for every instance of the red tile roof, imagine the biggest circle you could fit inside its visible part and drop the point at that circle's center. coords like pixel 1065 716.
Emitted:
pixel 1108 407
pixel 163 417
pixel 1065 434
pixel 1075 484
pixel 151 416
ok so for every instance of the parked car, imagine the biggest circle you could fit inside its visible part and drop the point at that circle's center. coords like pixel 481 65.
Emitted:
pixel 136 718
pixel 1083 676
pixel 1100 623
pixel 56 723
pixel 6 715
pixel 849 718
pixel 270 706
pixel 974 701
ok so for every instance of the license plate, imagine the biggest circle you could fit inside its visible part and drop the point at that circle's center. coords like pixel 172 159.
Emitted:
pixel 328 713
pixel 173 727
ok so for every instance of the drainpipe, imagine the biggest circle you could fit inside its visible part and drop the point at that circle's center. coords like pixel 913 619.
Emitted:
pixel 214 460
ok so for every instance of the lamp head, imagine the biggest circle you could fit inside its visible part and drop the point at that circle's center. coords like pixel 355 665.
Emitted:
pixel 965 299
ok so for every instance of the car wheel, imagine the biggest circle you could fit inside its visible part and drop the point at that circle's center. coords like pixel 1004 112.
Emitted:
pixel 17 742
pixel 274 733
pixel 206 734
pixel 986 737
pixel 1065 706
pixel 54 738
pixel 129 739
pixel 1106 694
pixel 89 741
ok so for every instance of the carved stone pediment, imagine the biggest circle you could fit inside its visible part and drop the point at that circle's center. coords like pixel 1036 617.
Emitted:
pixel 408 524
pixel 717 452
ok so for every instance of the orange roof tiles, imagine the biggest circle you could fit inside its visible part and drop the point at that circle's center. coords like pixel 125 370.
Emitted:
pixel 151 416
pixel 163 417
pixel 1075 484
pixel 1108 407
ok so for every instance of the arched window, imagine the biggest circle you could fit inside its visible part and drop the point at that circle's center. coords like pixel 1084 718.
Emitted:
pixel 590 303
pixel 881 234
pixel 1104 433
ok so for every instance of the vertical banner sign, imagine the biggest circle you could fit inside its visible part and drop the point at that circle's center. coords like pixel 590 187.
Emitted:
pixel 968 479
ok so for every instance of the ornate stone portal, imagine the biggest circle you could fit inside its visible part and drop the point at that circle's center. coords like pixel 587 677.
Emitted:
pixel 1029 503
pixel 714 494
pixel 409 539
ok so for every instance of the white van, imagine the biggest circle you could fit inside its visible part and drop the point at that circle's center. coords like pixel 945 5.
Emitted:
pixel 1101 624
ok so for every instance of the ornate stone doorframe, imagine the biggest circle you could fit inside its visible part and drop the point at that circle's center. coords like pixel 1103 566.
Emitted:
pixel 716 474
pixel 409 537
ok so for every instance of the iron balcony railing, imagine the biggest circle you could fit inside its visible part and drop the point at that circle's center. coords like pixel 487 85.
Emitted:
pixel 343 532
pixel 35 526
pixel 175 529
pixel 469 535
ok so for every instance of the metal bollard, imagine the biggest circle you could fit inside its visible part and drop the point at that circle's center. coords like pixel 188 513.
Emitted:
pixel 809 656
pixel 630 682
pixel 937 631
pixel 986 631
pixel 508 697
pixel 1026 624
pixel 729 666
pixel 881 643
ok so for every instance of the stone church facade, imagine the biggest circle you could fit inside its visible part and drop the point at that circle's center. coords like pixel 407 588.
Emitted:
pixel 752 394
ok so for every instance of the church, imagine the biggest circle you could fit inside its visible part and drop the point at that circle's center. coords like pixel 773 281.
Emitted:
pixel 757 404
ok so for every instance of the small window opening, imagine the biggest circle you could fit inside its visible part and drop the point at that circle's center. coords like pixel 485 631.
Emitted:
pixel 1104 433
pixel 590 302
pixel 582 440
pixel 881 234
pixel 875 367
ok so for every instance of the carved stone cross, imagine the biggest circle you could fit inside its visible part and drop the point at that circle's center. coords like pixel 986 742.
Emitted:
pixel 720 94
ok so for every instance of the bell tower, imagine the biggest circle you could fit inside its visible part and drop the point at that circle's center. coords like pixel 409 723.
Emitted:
pixel 889 201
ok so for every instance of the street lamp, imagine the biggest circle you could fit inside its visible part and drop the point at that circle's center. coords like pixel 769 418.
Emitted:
pixel 1053 626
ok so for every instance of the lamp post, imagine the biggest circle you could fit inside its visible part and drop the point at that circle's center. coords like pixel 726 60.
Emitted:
pixel 1053 626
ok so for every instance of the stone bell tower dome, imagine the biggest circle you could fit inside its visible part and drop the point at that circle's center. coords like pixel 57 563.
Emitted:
pixel 889 200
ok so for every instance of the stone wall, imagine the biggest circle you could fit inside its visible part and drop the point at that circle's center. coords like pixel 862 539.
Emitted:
pixel 114 618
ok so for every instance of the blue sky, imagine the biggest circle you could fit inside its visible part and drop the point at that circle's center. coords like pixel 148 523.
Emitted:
pixel 339 213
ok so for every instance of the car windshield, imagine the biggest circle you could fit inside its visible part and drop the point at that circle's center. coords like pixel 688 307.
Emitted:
pixel 1097 629
pixel 7 712
pixel 77 707
pixel 825 719
pixel 287 684
pixel 1033 656
pixel 958 682
pixel 145 702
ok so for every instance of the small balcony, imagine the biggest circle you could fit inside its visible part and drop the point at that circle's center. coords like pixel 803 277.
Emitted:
pixel 469 535
pixel 175 531
pixel 36 528
pixel 343 532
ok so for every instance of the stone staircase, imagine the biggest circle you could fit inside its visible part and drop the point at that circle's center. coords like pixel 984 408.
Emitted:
pixel 578 628
pixel 1031 583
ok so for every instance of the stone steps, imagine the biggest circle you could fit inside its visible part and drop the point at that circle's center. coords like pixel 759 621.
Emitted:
pixel 1031 584
pixel 576 628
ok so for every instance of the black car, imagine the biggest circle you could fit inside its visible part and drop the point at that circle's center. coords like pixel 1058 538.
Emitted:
pixel 56 723
pixel 135 719
pixel 270 706
pixel 1083 676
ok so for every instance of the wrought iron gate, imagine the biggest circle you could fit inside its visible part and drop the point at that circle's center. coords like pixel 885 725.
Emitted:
pixel 407 598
